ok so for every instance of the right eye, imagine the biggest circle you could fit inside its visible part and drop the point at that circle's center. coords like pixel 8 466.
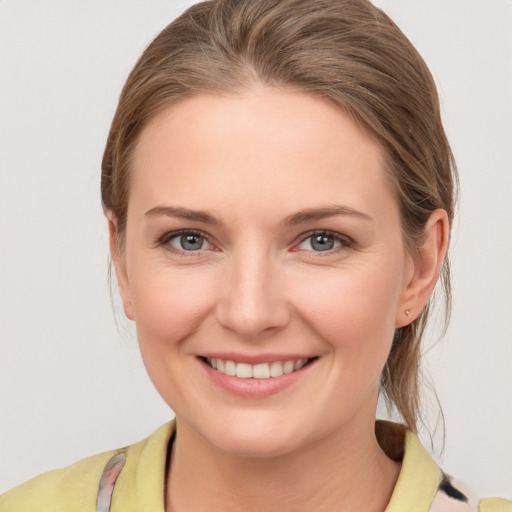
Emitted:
pixel 185 241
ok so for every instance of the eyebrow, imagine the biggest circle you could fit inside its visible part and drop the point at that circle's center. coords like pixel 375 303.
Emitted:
pixel 184 213
pixel 300 217
pixel 322 213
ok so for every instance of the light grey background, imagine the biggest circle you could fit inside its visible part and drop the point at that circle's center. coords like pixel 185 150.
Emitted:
pixel 70 384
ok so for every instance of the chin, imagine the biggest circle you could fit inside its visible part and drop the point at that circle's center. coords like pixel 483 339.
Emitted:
pixel 252 437
pixel 257 446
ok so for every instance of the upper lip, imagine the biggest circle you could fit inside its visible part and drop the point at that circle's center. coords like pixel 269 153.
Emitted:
pixel 254 358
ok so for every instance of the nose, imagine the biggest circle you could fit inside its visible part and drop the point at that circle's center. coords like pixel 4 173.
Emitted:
pixel 253 303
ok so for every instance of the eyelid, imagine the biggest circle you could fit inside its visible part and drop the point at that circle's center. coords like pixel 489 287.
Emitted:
pixel 163 241
pixel 345 240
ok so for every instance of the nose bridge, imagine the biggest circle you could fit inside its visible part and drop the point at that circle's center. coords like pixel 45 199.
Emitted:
pixel 253 301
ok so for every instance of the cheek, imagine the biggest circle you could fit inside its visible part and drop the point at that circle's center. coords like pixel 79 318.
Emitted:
pixel 170 305
pixel 169 308
pixel 353 310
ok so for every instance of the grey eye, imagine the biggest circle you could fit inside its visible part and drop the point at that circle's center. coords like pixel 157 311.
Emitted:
pixel 191 242
pixel 322 242
pixel 319 242
pixel 186 241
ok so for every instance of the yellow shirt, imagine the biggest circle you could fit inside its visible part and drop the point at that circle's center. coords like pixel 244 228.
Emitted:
pixel 137 474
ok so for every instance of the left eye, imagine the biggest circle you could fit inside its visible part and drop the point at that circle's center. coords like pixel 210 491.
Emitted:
pixel 321 242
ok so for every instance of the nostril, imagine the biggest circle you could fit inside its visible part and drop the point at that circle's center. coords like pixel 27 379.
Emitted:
pixel 253 316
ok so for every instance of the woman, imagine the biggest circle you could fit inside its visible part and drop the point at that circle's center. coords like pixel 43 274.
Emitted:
pixel 279 194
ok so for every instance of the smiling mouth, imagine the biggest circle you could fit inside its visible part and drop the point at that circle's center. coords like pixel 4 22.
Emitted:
pixel 256 371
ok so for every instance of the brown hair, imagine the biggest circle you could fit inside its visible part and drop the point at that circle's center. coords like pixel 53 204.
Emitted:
pixel 346 51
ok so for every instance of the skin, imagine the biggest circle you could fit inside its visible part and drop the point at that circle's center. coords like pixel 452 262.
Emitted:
pixel 258 286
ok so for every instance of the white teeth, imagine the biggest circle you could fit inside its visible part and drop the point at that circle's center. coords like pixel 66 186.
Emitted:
pixel 244 370
pixel 256 371
pixel 230 368
pixel 276 369
pixel 261 371
pixel 299 364
pixel 288 367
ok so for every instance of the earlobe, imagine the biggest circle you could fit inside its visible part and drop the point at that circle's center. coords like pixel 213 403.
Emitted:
pixel 427 260
pixel 128 310
pixel 119 265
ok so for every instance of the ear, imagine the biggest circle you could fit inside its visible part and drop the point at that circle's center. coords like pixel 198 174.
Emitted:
pixel 119 265
pixel 426 262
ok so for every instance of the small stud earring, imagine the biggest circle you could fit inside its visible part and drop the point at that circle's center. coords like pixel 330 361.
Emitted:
pixel 128 310
pixel 408 313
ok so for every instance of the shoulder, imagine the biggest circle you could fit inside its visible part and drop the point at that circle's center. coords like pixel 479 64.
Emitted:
pixel 422 485
pixel 74 488
pixel 495 505
pixel 140 469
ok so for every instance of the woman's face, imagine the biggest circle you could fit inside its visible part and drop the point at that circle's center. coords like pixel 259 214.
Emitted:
pixel 263 235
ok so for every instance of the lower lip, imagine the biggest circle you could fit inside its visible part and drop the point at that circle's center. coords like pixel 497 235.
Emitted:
pixel 255 388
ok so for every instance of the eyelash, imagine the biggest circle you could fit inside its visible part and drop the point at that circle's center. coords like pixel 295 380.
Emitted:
pixel 167 237
pixel 344 241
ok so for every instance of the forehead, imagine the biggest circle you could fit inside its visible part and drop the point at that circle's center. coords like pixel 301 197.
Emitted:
pixel 266 146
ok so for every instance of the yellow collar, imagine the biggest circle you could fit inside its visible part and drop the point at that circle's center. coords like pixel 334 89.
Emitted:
pixel 419 477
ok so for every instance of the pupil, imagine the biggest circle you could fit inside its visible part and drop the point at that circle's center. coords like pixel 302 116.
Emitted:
pixel 191 242
pixel 322 243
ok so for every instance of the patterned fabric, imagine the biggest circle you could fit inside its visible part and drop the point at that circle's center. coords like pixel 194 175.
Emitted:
pixel 108 480
pixel 450 498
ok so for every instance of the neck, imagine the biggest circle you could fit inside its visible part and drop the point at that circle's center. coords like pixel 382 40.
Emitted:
pixel 347 471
